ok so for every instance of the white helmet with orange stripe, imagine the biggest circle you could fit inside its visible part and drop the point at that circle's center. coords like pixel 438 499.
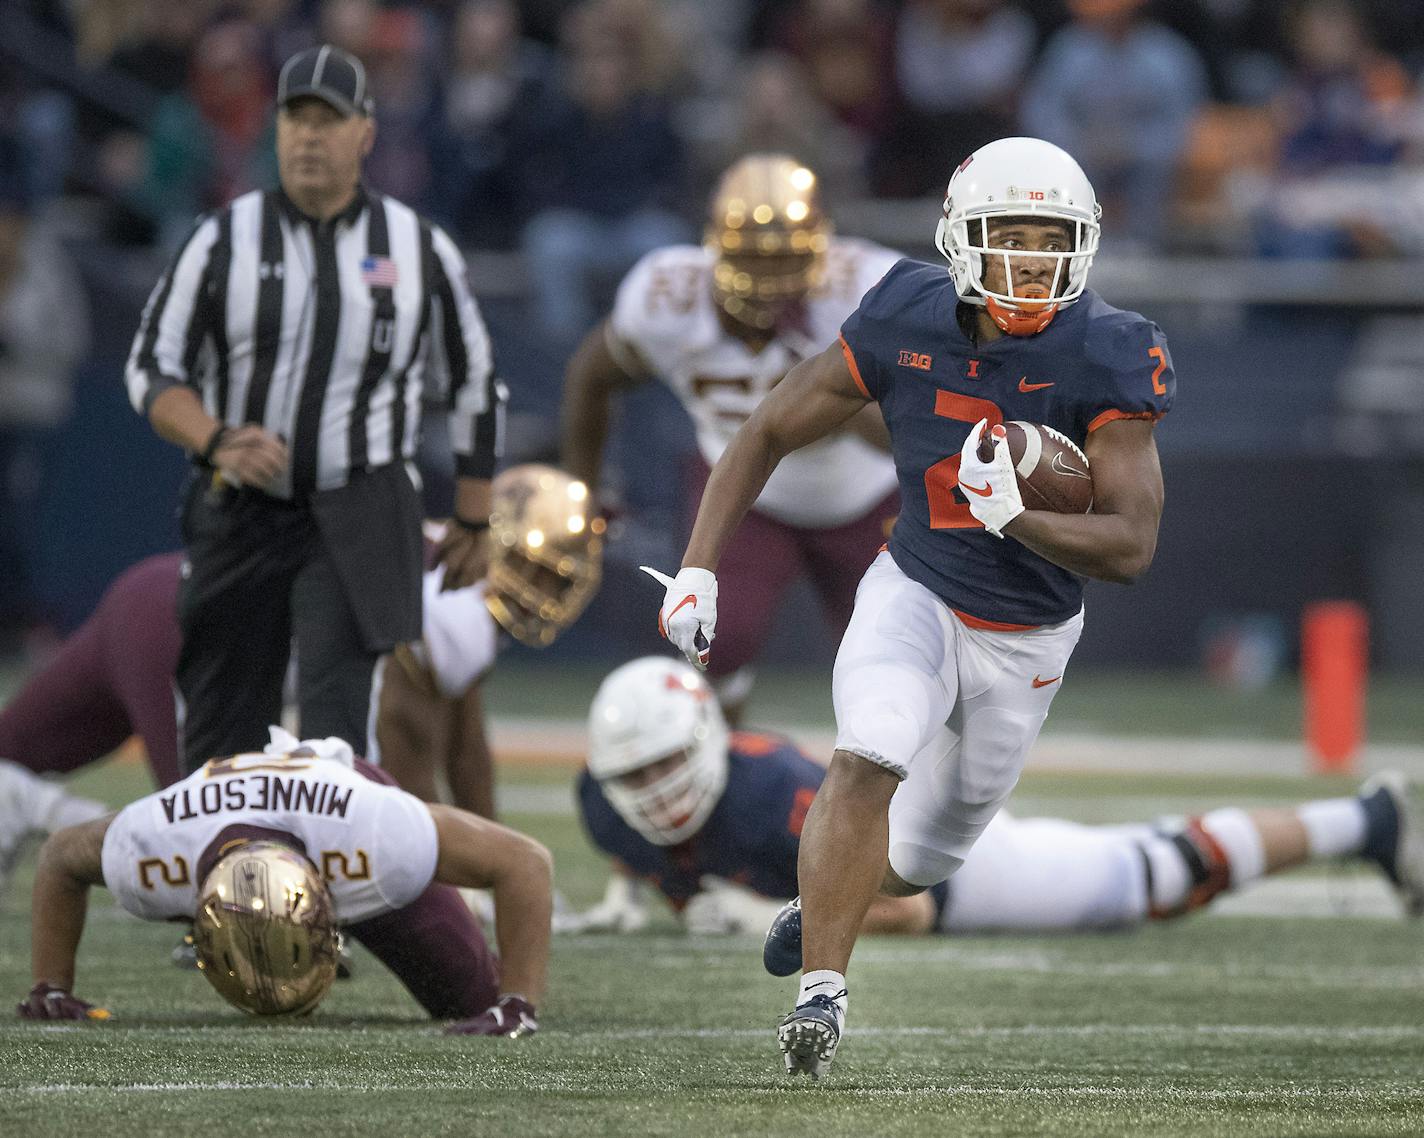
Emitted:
pixel 1018 178
pixel 658 747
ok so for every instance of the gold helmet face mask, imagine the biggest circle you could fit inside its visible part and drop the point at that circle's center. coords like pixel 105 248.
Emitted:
pixel 265 930
pixel 546 557
pixel 769 236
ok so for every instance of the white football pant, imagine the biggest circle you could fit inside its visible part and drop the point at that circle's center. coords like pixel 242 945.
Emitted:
pixel 952 710
pixel 1048 875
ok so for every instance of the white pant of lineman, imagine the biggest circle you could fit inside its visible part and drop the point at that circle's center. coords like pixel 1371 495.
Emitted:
pixel 1050 875
pixel 952 710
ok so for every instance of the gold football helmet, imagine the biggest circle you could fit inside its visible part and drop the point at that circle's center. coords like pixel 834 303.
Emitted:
pixel 546 556
pixel 769 236
pixel 265 930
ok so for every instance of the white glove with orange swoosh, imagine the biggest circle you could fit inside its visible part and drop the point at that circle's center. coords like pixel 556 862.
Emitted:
pixel 991 485
pixel 689 614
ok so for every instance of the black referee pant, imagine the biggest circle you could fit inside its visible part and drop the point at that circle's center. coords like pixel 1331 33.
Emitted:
pixel 338 573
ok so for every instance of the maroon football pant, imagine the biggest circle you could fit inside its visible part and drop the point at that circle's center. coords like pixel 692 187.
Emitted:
pixel 436 949
pixel 113 678
pixel 765 557
pixel 434 945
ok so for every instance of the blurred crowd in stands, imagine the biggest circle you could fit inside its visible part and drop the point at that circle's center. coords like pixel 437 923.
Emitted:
pixel 578 134
pixel 596 125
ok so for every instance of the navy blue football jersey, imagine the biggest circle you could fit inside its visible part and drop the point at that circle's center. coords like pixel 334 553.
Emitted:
pixel 1094 363
pixel 751 837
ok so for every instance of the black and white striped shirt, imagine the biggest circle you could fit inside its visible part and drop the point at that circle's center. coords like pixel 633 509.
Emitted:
pixel 325 333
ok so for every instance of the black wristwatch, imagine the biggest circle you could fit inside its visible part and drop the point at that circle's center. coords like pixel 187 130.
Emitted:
pixel 216 440
pixel 469 526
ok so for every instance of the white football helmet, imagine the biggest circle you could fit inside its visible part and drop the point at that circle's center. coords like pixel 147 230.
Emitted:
pixel 648 711
pixel 1018 177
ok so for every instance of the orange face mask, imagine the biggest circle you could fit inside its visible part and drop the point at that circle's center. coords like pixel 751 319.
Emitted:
pixel 1027 319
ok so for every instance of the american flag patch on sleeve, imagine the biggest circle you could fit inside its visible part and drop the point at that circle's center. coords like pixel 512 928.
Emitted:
pixel 379 272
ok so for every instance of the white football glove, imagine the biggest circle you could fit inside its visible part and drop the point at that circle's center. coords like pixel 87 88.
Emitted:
pixel 689 614
pixel 992 487
pixel 283 742
pixel 724 907
pixel 622 910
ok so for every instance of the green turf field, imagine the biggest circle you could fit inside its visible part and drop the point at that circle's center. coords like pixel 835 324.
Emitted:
pixel 1184 704
pixel 1215 1025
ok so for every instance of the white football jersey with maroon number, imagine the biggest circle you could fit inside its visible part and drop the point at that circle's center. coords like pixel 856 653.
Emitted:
pixel 665 312
pixel 459 635
pixel 375 844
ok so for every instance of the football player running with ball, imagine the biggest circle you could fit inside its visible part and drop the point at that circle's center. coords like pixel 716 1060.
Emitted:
pixel 963 626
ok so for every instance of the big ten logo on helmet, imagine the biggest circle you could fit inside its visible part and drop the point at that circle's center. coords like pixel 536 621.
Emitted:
pixel 1020 194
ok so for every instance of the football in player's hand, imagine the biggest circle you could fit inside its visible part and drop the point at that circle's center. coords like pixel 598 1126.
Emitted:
pixel 1053 472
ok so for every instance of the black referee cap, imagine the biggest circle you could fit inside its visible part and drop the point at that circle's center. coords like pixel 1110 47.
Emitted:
pixel 327 73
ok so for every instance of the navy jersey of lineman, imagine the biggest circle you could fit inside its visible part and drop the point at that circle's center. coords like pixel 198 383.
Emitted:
pixel 1094 363
pixel 751 836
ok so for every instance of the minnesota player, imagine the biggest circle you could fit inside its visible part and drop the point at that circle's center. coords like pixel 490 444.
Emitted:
pixel 545 566
pixel 720 324
pixel 713 821
pixel 963 628
pixel 114 677
pixel 269 854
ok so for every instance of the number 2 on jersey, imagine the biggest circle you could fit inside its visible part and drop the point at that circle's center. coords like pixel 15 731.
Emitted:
pixel 946 511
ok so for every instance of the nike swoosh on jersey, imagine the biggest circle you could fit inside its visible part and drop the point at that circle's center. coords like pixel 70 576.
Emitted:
pixel 1040 682
pixel 983 492
pixel 1025 386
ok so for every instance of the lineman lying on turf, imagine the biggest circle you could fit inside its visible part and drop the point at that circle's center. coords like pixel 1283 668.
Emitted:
pixel 269 854
pixel 713 821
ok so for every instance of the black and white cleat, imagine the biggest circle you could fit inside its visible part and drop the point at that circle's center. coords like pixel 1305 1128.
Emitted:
pixel 809 1036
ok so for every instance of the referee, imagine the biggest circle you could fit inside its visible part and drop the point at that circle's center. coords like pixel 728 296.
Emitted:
pixel 288 348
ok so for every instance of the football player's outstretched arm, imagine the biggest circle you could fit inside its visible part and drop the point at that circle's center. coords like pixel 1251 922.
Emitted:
pixel 476 853
pixel 817 396
pixel 870 427
pixel 593 375
pixel 408 724
pixel 1115 542
pixel 70 861
pixel 469 765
